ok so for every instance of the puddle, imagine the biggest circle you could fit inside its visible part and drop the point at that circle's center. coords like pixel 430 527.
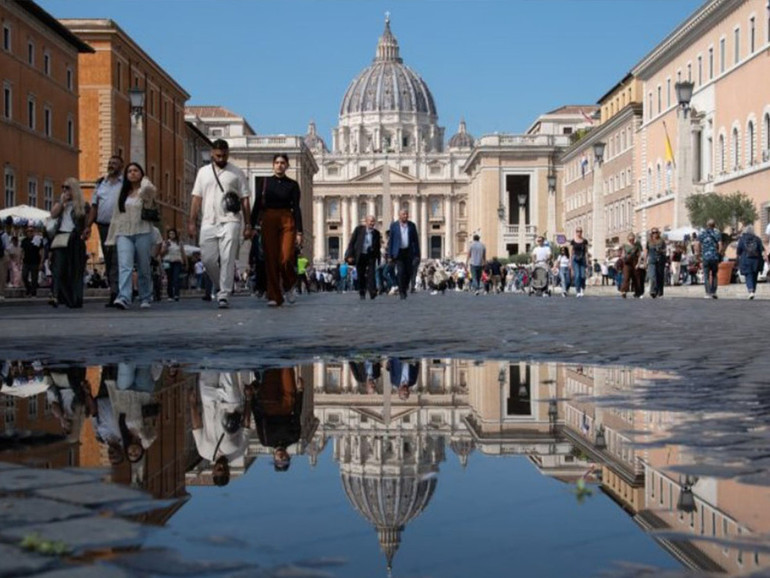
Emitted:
pixel 428 467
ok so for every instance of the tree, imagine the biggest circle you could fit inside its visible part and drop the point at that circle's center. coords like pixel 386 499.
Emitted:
pixel 732 211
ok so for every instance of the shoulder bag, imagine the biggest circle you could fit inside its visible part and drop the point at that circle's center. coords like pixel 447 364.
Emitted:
pixel 231 202
pixel 151 213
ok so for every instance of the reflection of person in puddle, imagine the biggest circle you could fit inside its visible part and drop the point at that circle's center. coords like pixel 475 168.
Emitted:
pixel 67 398
pixel 277 408
pixel 403 376
pixel 135 406
pixel 366 373
pixel 218 421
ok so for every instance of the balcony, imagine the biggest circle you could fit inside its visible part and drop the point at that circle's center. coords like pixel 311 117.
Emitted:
pixel 511 233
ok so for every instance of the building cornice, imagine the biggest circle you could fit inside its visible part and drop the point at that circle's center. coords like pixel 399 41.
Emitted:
pixel 95 29
pixel 630 111
pixel 685 34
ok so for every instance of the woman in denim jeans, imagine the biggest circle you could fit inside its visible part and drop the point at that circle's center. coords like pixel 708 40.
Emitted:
pixel 133 236
pixel 174 259
pixel 579 261
pixel 564 276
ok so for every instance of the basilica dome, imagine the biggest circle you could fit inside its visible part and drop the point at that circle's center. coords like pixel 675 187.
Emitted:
pixel 388 85
pixel 463 139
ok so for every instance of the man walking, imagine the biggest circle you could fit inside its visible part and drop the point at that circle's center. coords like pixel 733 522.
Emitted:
pixel 32 259
pixel 710 244
pixel 403 249
pixel 477 258
pixel 220 197
pixel 103 202
pixel 364 252
pixel 5 259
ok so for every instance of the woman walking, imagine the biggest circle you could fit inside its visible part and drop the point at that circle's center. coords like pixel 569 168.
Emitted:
pixel 174 260
pixel 133 236
pixel 68 247
pixel 655 257
pixel 277 212
pixel 564 276
pixel 631 254
pixel 579 261
pixel 750 258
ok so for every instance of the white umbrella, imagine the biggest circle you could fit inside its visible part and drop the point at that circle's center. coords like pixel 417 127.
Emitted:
pixel 26 389
pixel 25 212
pixel 678 234
pixel 190 249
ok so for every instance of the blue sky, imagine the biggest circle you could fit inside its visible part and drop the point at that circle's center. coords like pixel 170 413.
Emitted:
pixel 497 63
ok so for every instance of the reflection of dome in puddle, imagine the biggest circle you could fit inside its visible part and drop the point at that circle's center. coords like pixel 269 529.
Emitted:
pixel 391 487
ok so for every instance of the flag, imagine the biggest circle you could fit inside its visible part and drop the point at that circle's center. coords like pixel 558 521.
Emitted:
pixel 587 117
pixel 583 166
pixel 669 148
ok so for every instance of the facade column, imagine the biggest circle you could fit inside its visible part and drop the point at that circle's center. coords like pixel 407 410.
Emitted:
pixel 424 227
pixel 423 374
pixel 598 232
pixel 449 242
pixel 414 214
pixel 684 172
pixel 355 218
pixel 371 209
pixel 319 242
pixel 345 217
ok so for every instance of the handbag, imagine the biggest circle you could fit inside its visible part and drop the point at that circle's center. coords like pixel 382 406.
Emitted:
pixel 61 240
pixel 151 214
pixel 52 225
pixel 231 202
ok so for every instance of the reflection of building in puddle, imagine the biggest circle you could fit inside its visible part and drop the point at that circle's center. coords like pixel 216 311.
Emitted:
pixel 637 473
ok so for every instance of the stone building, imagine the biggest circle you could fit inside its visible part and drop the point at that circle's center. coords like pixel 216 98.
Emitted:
pixel 721 142
pixel 39 136
pixel 116 67
pixel 598 196
pixel 388 153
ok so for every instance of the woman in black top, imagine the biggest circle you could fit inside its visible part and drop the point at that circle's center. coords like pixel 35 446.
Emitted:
pixel 278 216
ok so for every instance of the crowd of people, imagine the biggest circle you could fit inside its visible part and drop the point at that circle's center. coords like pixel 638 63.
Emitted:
pixel 139 260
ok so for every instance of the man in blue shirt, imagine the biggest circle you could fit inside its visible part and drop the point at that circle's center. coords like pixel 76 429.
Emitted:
pixel 710 241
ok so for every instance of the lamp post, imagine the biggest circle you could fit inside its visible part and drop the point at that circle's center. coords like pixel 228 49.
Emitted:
pixel 598 233
pixel 600 442
pixel 137 147
pixel 551 179
pixel 683 161
pixel 522 198
pixel 686 501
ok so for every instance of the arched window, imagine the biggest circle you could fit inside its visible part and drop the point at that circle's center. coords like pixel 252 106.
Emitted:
pixel 721 152
pixel 736 149
pixel 649 181
pixel 462 209
pixel 766 130
pixel 750 156
pixel 658 179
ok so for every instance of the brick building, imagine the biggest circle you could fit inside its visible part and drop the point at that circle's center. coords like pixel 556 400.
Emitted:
pixel 39 115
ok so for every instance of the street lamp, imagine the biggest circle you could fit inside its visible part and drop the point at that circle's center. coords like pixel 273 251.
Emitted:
pixel 138 150
pixel 684 94
pixel 522 198
pixel 686 501
pixel 551 183
pixel 599 151
pixel 600 443
pixel 501 212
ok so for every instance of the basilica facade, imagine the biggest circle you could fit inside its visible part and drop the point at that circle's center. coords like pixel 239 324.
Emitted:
pixel 388 153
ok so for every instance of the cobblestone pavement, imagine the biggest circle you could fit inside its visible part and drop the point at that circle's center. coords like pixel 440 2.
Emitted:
pixel 702 339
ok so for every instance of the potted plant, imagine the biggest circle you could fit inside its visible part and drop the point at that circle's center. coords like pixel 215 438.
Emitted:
pixel 730 213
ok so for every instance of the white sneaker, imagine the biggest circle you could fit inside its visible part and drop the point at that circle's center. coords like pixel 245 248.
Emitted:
pixel 291 296
pixel 707 296
pixel 145 305
pixel 751 295
pixel 272 303
pixel 120 304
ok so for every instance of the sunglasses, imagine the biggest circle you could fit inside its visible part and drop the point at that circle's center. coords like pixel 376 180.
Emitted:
pixel 65 187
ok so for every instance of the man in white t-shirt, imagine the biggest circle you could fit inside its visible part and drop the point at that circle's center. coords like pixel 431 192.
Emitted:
pixel 220 198
pixel 541 255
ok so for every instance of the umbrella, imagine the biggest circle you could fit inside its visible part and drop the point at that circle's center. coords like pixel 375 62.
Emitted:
pixel 27 388
pixel 190 249
pixel 677 234
pixel 25 212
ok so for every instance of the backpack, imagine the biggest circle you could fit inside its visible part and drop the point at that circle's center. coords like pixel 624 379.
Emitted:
pixel 752 246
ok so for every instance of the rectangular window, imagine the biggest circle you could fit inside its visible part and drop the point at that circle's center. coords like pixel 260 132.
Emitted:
pixel 10 187
pixel 700 70
pixel 32 407
pixel 711 63
pixel 70 132
pixel 689 72
pixel 722 55
pixel 47 63
pixel 752 35
pixel 32 192
pixel 47 195
pixel 668 93
pixel 737 47
pixel 31 53
pixel 7 37
pixel 7 101
pixel 69 79
pixel 31 113
pixel 660 99
pixel 119 77
pixel 47 123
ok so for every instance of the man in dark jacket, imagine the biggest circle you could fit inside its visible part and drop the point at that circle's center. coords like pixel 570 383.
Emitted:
pixel 364 252
pixel 403 249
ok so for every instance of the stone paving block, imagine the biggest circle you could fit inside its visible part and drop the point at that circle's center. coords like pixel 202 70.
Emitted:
pixel 82 534
pixel 96 571
pixel 93 494
pixel 29 479
pixel 23 511
pixel 15 562
pixel 170 563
